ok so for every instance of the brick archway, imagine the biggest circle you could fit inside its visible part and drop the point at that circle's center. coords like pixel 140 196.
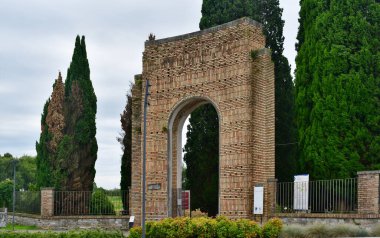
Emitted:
pixel 228 66
pixel 176 121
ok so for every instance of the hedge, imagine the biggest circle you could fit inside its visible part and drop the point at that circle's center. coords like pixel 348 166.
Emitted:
pixel 202 227
pixel 70 234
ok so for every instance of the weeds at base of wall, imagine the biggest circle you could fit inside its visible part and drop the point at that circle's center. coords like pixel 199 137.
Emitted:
pixel 207 227
pixel 70 234
pixel 322 230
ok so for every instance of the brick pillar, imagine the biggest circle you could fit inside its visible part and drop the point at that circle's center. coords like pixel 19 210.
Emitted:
pixel 47 202
pixel 271 197
pixel 368 192
pixel 136 187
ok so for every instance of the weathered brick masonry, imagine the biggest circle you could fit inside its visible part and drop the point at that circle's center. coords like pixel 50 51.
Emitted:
pixel 369 192
pixel 47 202
pixel 211 66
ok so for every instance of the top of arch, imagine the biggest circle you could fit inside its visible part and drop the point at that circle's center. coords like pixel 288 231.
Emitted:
pixel 206 31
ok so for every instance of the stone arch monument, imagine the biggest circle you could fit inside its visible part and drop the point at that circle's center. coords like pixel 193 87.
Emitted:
pixel 229 67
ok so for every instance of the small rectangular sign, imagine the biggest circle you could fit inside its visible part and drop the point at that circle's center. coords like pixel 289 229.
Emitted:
pixel 186 199
pixel 301 192
pixel 258 200
pixel 154 186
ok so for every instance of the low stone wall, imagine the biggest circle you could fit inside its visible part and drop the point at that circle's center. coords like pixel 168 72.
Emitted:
pixel 72 222
pixel 366 221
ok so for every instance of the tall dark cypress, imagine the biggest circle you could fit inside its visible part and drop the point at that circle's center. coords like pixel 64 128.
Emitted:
pixel 43 176
pixel 67 150
pixel 269 13
pixel 126 144
pixel 338 87
pixel 202 159
pixel 79 146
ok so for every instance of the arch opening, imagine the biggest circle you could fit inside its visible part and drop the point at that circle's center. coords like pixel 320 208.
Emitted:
pixel 203 166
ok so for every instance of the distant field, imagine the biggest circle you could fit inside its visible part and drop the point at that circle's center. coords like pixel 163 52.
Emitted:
pixel 117 203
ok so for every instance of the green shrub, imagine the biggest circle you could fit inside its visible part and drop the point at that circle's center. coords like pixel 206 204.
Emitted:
pixel 100 204
pixel 70 234
pixel 6 191
pixel 293 231
pixel 202 227
pixel 135 232
pixel 317 231
pixel 272 228
pixel 250 229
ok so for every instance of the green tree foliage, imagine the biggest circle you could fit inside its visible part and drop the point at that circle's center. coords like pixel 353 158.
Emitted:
pixel 67 150
pixel 269 13
pixel 217 12
pixel 6 190
pixel 338 87
pixel 202 159
pixel 78 149
pixel 6 168
pixel 25 171
pixel 100 203
pixel 8 155
pixel 43 177
pixel 126 144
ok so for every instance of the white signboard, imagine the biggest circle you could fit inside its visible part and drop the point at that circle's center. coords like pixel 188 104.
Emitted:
pixel 301 192
pixel 258 200
pixel 3 218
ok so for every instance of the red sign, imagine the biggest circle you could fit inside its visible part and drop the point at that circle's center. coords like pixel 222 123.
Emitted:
pixel 186 199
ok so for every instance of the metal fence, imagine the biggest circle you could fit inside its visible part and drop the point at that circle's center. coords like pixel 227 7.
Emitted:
pixel 28 202
pixel 98 202
pixel 322 196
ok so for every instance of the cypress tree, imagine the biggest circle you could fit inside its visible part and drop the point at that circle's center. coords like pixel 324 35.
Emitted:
pixel 43 177
pixel 52 126
pixel 215 12
pixel 78 149
pixel 126 143
pixel 66 152
pixel 202 159
pixel 338 87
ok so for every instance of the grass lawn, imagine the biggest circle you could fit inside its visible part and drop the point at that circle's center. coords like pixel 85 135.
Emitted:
pixel 117 203
pixel 18 227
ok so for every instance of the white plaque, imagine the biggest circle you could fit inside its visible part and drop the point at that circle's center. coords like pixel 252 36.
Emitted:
pixel 132 219
pixel 258 200
pixel 301 192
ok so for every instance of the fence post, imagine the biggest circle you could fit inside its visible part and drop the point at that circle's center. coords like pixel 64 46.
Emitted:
pixel 47 202
pixel 271 196
pixel 368 192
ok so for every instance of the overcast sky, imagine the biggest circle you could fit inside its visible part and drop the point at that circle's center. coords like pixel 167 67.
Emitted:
pixel 37 40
